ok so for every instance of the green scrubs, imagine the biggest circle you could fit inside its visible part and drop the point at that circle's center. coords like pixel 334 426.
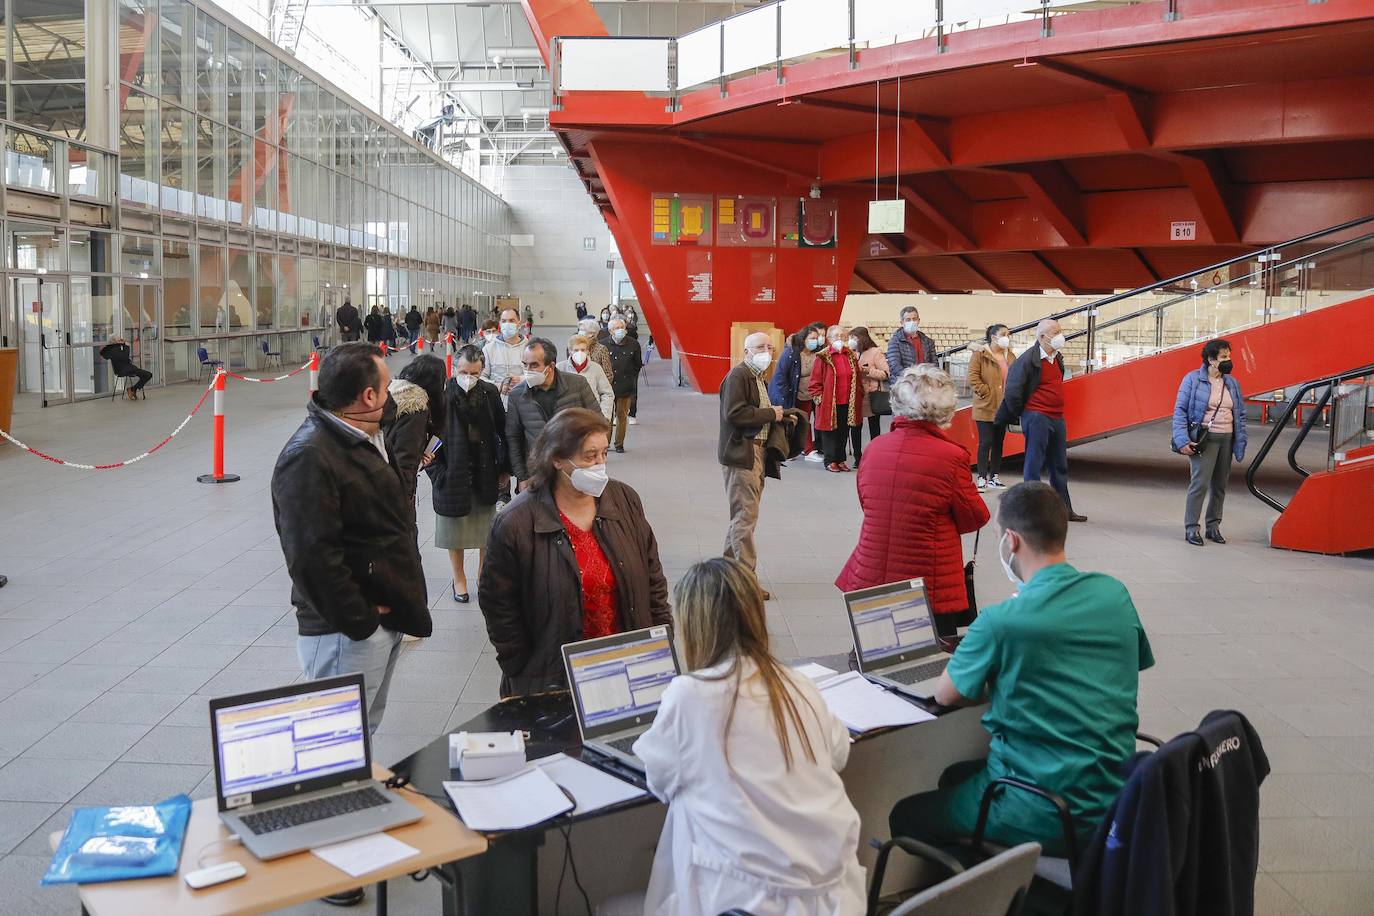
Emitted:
pixel 1059 664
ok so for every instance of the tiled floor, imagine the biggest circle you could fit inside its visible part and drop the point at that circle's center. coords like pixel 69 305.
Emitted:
pixel 137 594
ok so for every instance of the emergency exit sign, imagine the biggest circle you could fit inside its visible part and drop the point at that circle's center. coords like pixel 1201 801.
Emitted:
pixel 1183 231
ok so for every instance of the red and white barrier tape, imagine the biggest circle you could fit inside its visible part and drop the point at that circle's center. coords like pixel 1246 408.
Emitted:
pixel 704 355
pixel 249 378
pixel 126 462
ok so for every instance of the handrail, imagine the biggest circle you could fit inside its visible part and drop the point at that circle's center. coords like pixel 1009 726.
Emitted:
pixel 1294 403
pixel 1117 297
pixel 1138 313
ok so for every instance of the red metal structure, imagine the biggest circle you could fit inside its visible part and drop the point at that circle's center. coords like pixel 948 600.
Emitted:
pixel 1026 163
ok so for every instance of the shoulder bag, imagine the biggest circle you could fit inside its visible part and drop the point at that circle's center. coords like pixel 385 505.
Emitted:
pixel 1197 432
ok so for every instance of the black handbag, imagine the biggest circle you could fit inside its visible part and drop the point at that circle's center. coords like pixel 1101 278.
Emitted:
pixel 880 402
pixel 968 576
pixel 1198 432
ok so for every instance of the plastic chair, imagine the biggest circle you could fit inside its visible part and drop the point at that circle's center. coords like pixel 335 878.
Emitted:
pixel 270 356
pixel 204 356
pixel 115 389
pixel 319 347
pixel 995 887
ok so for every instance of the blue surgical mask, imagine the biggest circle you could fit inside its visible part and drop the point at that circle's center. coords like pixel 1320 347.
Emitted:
pixel 509 329
pixel 813 344
pixel 910 326
pixel 618 334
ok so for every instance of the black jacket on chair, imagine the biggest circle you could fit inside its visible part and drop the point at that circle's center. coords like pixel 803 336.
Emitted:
pixel 119 359
pixel 1182 838
pixel 348 534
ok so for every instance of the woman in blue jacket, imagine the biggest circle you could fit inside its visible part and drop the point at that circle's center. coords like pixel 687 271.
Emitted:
pixel 1209 399
pixel 788 386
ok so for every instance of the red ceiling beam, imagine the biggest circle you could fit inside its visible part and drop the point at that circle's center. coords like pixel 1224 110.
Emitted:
pixel 1050 189
pixel 927 133
pixel 1063 283
pixel 1145 263
pixel 974 269
pixel 1206 178
pixel 870 283
pixel 714 150
pixel 548 18
pixel 1128 106
pixel 910 274
pixel 943 205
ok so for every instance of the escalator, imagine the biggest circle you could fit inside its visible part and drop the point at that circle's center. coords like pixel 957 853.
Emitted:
pixel 1293 312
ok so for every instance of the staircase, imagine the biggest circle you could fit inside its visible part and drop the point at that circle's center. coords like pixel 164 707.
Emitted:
pixel 288 21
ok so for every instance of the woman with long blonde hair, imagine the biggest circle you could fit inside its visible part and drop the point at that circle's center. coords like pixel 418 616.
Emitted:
pixel 747 756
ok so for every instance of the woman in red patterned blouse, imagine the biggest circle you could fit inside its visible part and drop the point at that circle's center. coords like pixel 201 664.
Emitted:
pixel 571 558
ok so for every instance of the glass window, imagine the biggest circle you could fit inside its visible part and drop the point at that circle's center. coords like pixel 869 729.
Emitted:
pixel 30 161
pixel 211 184
pixel 178 159
pixel 237 69
pixel 49 39
pixel 88 173
pixel 138 41
pixel 288 312
pixel 175 23
pixel 138 150
pixel 93 305
pixel 287 202
pixel 288 87
pixel 91 251
pixel 209 69
pixel 36 248
pixel 212 316
pixel 238 300
pixel 239 169
pixel 139 256
pixel 265 197
pixel 59 108
pixel 265 295
pixel 264 95
pixel 176 285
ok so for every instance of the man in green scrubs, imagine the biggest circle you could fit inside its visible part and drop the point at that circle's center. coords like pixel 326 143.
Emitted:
pixel 1059 663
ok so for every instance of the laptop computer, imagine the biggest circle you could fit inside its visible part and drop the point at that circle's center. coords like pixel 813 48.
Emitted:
pixel 293 767
pixel 616 682
pixel 894 637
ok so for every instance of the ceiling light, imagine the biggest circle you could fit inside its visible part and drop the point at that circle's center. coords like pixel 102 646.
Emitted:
pixel 500 54
pixel 488 86
pixel 528 112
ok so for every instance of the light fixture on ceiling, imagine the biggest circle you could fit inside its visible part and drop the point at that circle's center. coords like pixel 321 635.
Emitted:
pixel 530 111
pixel 488 86
pixel 499 54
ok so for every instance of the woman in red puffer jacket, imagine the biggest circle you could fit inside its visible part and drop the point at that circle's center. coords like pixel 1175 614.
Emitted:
pixel 917 498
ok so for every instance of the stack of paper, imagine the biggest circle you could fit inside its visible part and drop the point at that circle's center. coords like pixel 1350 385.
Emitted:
pixel 521 800
pixel 591 789
pixel 365 854
pixel 814 671
pixel 864 706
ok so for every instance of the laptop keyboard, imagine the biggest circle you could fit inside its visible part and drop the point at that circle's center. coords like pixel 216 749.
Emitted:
pixel 919 673
pixel 317 809
pixel 623 744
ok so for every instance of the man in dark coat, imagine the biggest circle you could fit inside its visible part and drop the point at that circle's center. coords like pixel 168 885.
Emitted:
pixel 118 354
pixel 534 402
pixel 909 346
pixel 347 320
pixel 347 530
pixel 627 359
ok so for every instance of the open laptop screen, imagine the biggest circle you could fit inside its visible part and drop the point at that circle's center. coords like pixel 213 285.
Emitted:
pixel 617 681
pixel 289 739
pixel 890 621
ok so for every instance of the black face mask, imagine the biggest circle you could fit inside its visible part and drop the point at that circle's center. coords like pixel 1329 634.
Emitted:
pixel 1224 367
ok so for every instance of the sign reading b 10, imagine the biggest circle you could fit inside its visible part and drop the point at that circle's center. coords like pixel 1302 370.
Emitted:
pixel 1183 231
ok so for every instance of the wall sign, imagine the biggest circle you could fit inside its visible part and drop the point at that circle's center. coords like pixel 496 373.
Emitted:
pixel 682 219
pixel 699 276
pixel 1185 231
pixel 745 221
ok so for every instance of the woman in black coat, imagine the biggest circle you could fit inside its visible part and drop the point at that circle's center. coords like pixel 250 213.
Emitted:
pixel 470 469
pixel 417 392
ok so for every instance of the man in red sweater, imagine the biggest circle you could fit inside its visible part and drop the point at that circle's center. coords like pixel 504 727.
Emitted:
pixel 1035 399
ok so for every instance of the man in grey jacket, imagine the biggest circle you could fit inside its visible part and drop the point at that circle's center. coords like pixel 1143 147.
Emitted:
pixel 544 392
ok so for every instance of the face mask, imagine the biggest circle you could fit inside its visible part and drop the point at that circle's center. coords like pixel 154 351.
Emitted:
pixel 618 334
pixel 1057 342
pixel 760 361
pixel 813 344
pixel 837 345
pixel 605 316
pixel 579 357
pixel 911 327
pixel 1004 343
pixel 853 343
pixel 1006 561
pixel 489 336
pixel 534 379
pixel 508 329
pixel 1225 366
pixel 590 480
pixel 465 382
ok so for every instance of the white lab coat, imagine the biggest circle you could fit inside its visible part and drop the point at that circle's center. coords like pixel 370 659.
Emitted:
pixel 596 377
pixel 749 833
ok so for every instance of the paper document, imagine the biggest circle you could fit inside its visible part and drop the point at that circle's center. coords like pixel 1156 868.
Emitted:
pixel 814 671
pixel 509 803
pixel 593 789
pixel 864 706
pixel 365 854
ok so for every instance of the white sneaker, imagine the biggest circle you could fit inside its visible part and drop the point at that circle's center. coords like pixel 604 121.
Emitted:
pixel 632 421
pixel 996 483
pixel 982 484
pixel 815 456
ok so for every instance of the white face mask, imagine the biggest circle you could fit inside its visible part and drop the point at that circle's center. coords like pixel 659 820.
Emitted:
pixel 1057 342
pixel 465 382
pixel 619 334
pixel 837 345
pixel 590 480
pixel 579 357
pixel 760 361
pixel 911 327
pixel 535 379
pixel 509 329
pixel 1004 342
pixel 1007 561
pixel 489 335
pixel 853 343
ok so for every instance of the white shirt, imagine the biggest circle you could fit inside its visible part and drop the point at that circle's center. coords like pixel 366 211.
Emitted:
pixel 1046 356
pixel 502 360
pixel 749 833
pixel 378 439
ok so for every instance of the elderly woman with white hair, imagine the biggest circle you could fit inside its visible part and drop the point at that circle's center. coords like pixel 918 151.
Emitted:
pixel 917 499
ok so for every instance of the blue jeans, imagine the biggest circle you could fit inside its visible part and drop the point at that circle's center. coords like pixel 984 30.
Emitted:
pixel 334 654
pixel 1047 448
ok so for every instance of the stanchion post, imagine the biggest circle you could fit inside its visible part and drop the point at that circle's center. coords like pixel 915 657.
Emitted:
pixel 217 444
pixel 385 351
pixel 314 372
pixel 448 357
pixel 420 344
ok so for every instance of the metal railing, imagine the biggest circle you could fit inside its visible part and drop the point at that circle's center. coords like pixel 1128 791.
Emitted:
pixel 1323 390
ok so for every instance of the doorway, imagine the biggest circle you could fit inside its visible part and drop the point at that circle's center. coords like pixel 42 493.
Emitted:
pixel 45 353
pixel 141 321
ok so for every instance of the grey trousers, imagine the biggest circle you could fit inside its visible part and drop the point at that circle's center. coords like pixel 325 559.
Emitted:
pixel 744 491
pixel 1210 470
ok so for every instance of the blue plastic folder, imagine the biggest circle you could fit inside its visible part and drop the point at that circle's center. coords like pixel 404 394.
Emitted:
pixel 119 843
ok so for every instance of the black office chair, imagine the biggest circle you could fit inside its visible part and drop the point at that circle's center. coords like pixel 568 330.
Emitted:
pixel 115 389
pixel 270 356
